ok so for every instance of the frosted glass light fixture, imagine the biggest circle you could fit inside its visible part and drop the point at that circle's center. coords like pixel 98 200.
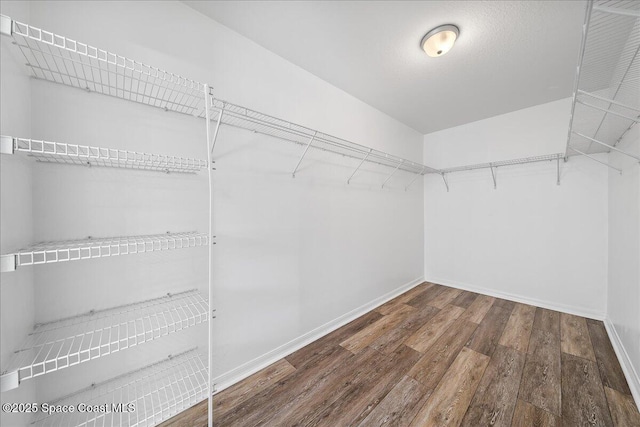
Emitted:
pixel 440 40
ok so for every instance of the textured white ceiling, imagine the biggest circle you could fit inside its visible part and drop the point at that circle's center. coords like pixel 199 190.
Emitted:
pixel 510 54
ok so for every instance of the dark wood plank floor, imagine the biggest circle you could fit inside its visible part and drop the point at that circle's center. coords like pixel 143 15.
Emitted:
pixel 437 356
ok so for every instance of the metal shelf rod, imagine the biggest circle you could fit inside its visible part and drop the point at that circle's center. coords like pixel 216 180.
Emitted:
pixel 611 147
pixel 610 101
pixel 583 44
pixel 606 110
pixel 594 159
pixel 618 11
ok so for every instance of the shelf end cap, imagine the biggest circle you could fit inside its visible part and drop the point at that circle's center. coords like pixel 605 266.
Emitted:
pixel 8 263
pixel 5 25
pixel 6 144
pixel 9 381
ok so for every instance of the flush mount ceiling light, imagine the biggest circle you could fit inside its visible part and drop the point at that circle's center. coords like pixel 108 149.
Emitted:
pixel 440 40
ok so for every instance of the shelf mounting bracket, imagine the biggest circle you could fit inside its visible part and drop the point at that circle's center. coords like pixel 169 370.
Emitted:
pixel 418 175
pixel 215 132
pixel 8 263
pixel 7 145
pixel 392 173
pixel 304 153
pixel 360 164
pixel 444 178
pixel 5 25
pixel 9 381
pixel 493 175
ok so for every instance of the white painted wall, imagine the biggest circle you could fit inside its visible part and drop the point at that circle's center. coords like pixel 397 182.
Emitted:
pixel 292 255
pixel 16 185
pixel 530 239
pixel 623 294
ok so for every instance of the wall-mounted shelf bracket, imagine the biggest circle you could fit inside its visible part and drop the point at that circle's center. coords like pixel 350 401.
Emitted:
pixel 444 178
pixel 8 262
pixel 212 143
pixel 595 160
pixel 304 154
pixel 558 169
pixel 6 145
pixel 360 164
pixel 9 381
pixel 418 175
pixel 493 175
pixel 5 25
pixel 611 147
pixel 392 173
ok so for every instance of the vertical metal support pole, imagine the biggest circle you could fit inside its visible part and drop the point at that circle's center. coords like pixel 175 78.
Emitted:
pixel 304 153
pixel 210 263
pixel 392 173
pixel 414 179
pixel 215 132
pixel 585 29
pixel 558 169
pixel 493 175
pixel 446 184
pixel 361 162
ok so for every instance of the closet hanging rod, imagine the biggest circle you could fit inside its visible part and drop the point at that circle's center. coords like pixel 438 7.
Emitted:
pixel 63 343
pixel 83 155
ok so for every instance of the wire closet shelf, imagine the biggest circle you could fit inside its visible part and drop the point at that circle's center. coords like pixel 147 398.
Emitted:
pixel 74 250
pixel 59 152
pixel 156 393
pixel 606 99
pixel 62 60
pixel 254 121
pixel 56 345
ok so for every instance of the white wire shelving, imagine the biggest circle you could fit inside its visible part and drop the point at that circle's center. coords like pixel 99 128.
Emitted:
pixel 606 98
pixel 58 152
pixel 145 397
pixel 67 342
pixel 244 118
pixel 74 250
pixel 62 60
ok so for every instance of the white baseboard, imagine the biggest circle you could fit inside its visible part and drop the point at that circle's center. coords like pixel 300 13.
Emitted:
pixel 578 311
pixel 633 379
pixel 241 372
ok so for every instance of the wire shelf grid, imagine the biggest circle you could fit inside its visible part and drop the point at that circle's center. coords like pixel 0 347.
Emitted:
pixel 244 118
pixel 67 342
pixel 57 152
pixel 606 101
pixel 74 250
pixel 62 60
pixel 157 392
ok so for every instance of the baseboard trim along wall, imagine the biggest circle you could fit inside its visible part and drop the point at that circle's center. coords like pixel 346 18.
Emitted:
pixel 633 379
pixel 578 311
pixel 243 371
